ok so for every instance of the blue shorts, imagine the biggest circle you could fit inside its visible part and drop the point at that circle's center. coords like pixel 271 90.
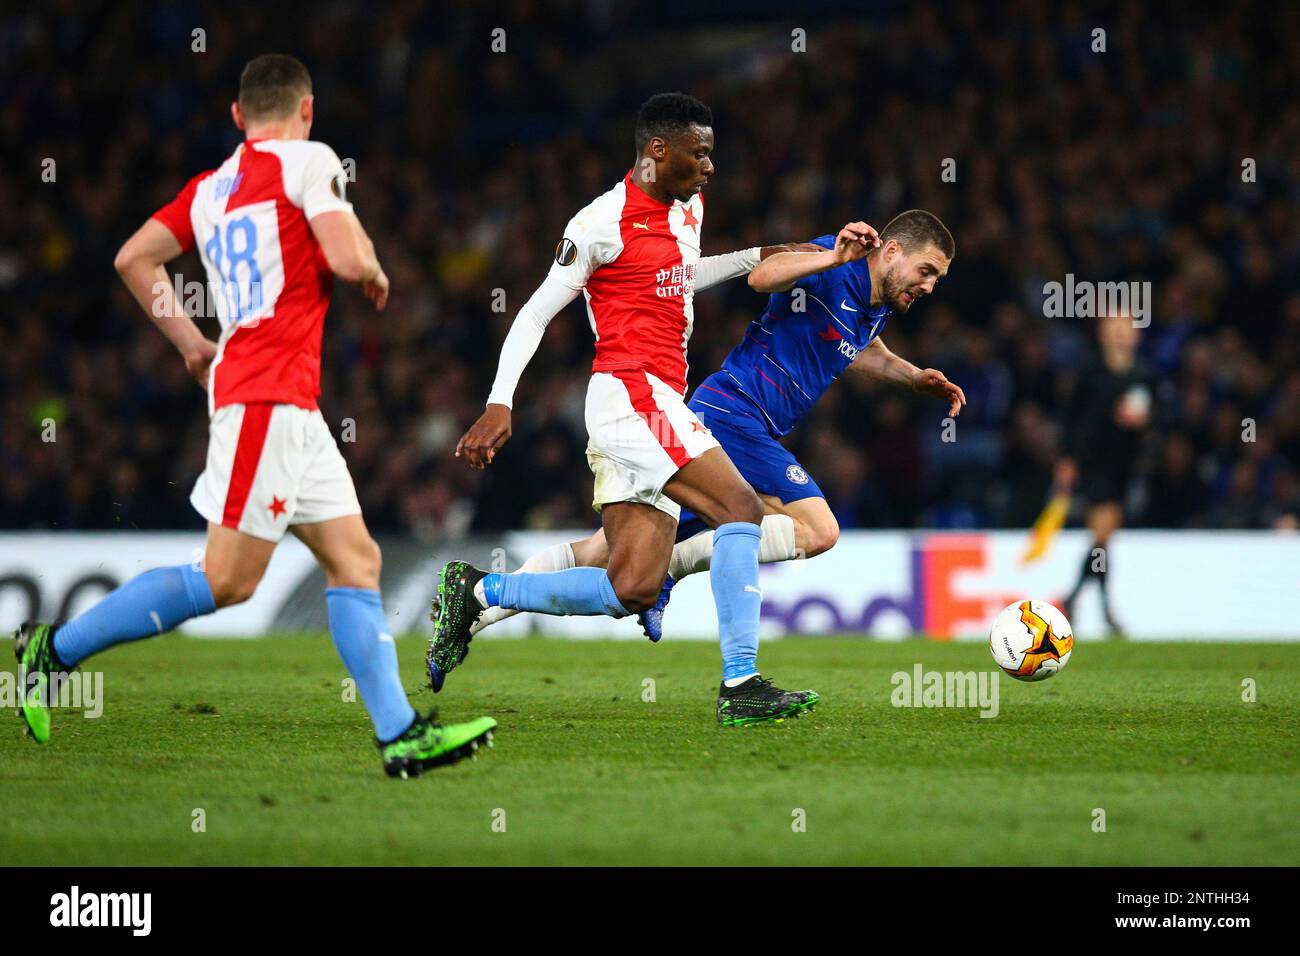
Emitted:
pixel 761 460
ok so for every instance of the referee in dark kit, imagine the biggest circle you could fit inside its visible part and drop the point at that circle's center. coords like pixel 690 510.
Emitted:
pixel 1108 417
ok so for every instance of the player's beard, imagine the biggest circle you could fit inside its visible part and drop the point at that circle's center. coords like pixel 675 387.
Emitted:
pixel 893 292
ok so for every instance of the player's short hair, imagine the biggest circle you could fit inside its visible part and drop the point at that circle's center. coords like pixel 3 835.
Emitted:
pixel 668 115
pixel 916 229
pixel 272 85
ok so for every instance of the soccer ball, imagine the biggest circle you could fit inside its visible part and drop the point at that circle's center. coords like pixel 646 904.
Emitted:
pixel 1031 640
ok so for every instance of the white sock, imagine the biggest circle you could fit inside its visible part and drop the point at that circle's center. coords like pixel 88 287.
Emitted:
pixel 695 554
pixel 777 543
pixel 555 558
pixel 737 681
pixel 691 556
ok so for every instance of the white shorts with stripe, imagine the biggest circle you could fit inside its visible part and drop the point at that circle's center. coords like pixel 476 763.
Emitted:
pixel 640 433
pixel 272 466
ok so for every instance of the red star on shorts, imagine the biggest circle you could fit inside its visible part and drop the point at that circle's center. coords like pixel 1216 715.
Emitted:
pixel 690 219
pixel 697 427
pixel 276 507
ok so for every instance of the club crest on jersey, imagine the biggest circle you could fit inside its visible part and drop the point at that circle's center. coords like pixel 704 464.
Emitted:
pixel 566 253
pixel 796 475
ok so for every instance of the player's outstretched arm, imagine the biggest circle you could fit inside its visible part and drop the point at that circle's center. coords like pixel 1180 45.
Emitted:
pixel 878 362
pixel 140 262
pixel 715 270
pixel 779 272
pixel 351 254
pixel 766 251
pixel 479 445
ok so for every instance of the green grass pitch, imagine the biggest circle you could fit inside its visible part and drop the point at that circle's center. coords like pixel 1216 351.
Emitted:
pixel 257 735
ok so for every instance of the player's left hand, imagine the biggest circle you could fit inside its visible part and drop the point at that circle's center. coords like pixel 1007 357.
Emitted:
pixel 854 241
pixel 376 290
pixel 931 381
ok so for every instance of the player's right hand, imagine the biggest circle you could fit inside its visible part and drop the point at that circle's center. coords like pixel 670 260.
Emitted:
pixel 198 361
pixel 376 290
pixel 480 444
pixel 854 241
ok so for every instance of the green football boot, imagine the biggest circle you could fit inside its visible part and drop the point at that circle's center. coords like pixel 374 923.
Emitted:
pixel 757 701
pixel 37 664
pixel 426 744
pixel 454 611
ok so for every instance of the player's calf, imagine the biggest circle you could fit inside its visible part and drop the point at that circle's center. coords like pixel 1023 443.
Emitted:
pixel 149 604
pixel 816 538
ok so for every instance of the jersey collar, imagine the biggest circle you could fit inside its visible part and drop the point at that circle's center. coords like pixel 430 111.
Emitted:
pixel 645 195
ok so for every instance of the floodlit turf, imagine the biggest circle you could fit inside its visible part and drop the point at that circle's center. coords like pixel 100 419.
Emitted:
pixel 255 734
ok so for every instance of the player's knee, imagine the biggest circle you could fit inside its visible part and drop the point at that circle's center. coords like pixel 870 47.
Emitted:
pixel 820 537
pixel 360 568
pixel 638 600
pixel 636 593
pixel 230 588
pixel 741 505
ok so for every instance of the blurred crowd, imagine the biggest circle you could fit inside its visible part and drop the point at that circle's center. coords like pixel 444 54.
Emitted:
pixel 1173 156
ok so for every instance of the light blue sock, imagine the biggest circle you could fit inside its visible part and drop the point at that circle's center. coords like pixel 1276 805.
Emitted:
pixel 362 639
pixel 574 591
pixel 734 576
pixel 147 605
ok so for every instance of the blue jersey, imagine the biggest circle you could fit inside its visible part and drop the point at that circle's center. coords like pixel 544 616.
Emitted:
pixel 789 358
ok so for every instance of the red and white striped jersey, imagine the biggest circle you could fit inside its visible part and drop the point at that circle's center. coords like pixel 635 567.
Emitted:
pixel 266 271
pixel 634 259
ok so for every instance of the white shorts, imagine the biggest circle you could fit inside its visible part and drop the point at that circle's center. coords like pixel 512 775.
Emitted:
pixel 272 466
pixel 640 433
